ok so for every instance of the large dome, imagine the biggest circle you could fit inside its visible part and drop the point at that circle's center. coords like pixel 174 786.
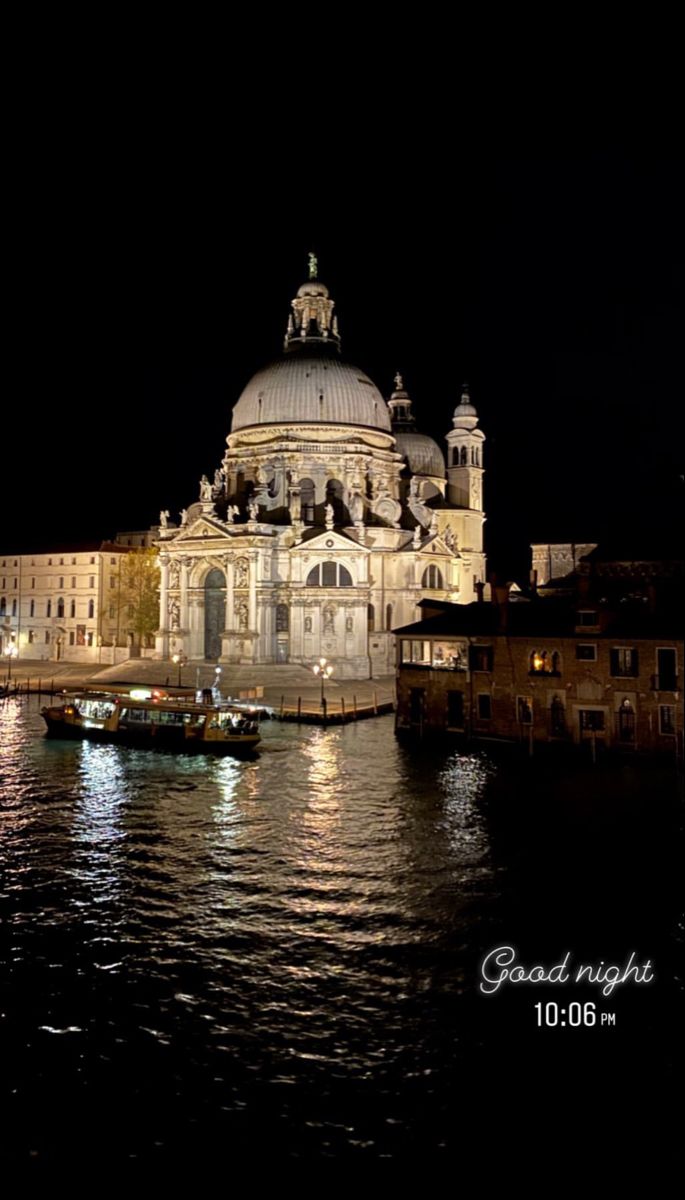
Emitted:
pixel 312 390
pixel 423 455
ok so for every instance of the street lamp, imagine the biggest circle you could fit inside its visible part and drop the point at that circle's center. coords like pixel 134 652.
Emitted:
pixel 217 682
pixel 325 670
pixel 179 660
pixel 11 653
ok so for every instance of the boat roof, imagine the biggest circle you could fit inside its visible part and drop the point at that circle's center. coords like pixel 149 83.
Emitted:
pixel 156 699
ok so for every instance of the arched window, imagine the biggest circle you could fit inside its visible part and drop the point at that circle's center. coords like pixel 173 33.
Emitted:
pixel 544 663
pixel 72 608
pixel 557 717
pixel 370 618
pixel 307 500
pixel 3 606
pixel 60 607
pixel 91 608
pixel 432 577
pixel 48 608
pixel 282 618
pixel 329 574
pixel 626 722
pixel 463 456
pixel 455 456
pixel 388 616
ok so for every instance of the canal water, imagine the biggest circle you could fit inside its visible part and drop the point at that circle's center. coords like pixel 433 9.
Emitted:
pixel 210 958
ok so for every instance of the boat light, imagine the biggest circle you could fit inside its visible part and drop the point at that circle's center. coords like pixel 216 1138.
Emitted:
pixel 140 694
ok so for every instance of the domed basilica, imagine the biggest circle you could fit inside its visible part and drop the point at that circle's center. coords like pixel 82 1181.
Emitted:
pixel 329 518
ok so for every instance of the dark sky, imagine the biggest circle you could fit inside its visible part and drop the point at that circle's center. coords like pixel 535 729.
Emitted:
pixel 152 282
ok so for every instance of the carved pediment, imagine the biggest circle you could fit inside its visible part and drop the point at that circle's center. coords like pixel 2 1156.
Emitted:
pixel 328 543
pixel 201 529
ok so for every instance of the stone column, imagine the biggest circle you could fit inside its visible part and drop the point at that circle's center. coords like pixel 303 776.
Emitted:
pixel 164 594
pixel 228 569
pixel 185 618
pixel 252 596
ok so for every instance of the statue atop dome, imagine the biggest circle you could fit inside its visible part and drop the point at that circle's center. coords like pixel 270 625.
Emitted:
pixel 312 320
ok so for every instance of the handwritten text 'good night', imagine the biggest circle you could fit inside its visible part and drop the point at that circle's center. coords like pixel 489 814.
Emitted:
pixel 500 967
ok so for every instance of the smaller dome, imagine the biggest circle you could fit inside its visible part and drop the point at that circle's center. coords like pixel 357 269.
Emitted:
pixel 465 415
pixel 313 288
pixel 423 455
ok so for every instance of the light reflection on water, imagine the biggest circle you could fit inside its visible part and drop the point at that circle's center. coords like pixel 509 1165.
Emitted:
pixel 277 948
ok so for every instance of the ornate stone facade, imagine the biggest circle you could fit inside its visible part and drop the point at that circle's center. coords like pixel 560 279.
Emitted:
pixel 329 518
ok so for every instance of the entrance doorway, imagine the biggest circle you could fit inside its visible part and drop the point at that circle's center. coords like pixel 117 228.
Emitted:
pixel 215 612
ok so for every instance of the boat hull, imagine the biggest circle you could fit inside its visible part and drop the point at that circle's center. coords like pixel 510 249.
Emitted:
pixel 150 739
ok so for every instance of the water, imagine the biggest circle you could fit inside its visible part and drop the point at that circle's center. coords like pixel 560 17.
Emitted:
pixel 212 957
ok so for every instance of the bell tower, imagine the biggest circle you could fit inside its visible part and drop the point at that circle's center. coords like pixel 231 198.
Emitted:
pixel 465 457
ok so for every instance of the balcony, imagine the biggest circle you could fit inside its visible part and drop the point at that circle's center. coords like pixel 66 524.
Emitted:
pixel 666 683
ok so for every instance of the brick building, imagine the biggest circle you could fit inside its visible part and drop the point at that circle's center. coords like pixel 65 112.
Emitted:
pixel 558 670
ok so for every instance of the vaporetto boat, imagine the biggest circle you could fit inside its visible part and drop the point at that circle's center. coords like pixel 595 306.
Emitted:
pixel 151 718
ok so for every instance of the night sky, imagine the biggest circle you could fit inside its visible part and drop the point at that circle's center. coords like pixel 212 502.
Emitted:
pixel 151 286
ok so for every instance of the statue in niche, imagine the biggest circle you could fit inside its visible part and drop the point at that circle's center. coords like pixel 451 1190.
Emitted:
pixel 164 518
pixel 173 575
pixel 329 618
pixel 349 624
pixel 308 624
pixel 242 570
pixel 241 613
pixel 205 488
pixel 174 615
pixel 356 503
pixel 330 516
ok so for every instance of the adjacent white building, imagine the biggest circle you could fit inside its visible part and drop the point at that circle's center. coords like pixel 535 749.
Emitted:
pixel 328 520
pixel 64 605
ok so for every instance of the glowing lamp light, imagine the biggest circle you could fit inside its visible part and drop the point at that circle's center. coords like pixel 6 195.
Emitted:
pixel 140 694
pixel 538 662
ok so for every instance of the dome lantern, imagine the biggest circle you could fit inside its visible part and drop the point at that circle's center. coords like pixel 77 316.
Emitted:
pixel 312 321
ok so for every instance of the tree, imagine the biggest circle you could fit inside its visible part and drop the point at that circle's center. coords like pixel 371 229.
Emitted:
pixel 137 595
